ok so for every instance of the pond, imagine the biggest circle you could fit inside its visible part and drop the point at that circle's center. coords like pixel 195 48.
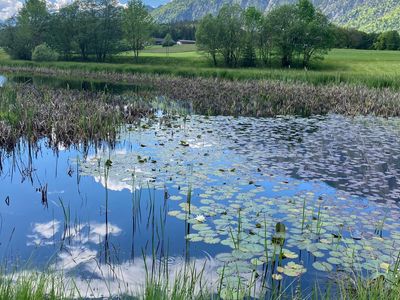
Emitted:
pixel 249 201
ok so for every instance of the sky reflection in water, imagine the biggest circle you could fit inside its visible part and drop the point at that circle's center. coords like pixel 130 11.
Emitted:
pixel 344 170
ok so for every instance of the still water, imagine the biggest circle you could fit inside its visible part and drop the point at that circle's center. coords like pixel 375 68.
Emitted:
pixel 230 194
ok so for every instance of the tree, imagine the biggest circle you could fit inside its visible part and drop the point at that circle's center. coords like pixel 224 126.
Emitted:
pixel 63 30
pixel 285 29
pixel 353 39
pixel 389 40
pixel 299 30
pixel 99 28
pixel 265 44
pixel 231 33
pixel 137 24
pixel 168 42
pixel 316 33
pixel 33 21
pixel 252 26
pixel 28 30
pixel 207 37
pixel 11 41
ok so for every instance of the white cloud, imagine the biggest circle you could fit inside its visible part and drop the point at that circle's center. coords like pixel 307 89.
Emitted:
pixel 9 8
pixel 57 4
pixel 43 233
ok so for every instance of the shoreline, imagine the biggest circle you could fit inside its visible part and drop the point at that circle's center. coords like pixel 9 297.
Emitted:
pixel 255 98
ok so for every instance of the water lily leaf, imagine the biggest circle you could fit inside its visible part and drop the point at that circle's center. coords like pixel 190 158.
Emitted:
pixel 323 266
pixel 334 261
pixel 211 240
pixel 241 254
pixel 174 213
pixel 289 254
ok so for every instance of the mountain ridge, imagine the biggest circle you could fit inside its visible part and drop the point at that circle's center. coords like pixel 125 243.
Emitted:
pixel 367 15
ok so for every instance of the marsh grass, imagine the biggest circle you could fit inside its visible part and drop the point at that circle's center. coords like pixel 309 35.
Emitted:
pixel 64 117
pixel 189 283
pixel 34 286
pixel 257 98
pixel 357 286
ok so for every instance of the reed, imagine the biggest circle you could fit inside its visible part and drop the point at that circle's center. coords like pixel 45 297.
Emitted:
pixel 64 117
pixel 259 98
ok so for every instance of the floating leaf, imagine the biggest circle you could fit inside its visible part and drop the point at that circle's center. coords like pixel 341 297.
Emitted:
pixel 323 266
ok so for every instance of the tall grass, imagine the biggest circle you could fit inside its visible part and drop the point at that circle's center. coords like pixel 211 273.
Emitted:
pixel 373 69
pixel 261 98
pixel 65 117
pixel 34 286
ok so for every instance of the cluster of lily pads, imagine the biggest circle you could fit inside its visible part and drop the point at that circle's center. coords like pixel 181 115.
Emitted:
pixel 284 196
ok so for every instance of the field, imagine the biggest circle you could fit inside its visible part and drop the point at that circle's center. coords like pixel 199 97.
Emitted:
pixel 375 69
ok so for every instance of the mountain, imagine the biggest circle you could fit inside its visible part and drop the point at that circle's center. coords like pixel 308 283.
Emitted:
pixel 154 3
pixel 367 15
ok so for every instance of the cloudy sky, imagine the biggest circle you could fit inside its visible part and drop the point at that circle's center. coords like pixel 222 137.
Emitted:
pixel 9 7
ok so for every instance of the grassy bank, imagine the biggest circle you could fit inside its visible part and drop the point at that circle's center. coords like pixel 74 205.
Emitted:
pixel 189 284
pixel 374 69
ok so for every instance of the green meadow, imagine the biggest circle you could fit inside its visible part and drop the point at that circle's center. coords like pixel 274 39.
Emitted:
pixel 374 69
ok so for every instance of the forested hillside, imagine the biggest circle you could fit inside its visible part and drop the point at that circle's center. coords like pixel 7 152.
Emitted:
pixel 367 15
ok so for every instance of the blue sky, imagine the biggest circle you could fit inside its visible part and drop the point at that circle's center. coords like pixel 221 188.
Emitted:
pixel 9 7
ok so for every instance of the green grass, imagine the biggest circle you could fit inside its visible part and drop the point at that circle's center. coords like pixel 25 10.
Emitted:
pixel 175 49
pixel 375 69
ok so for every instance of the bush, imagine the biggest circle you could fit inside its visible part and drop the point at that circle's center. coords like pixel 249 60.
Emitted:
pixel 44 53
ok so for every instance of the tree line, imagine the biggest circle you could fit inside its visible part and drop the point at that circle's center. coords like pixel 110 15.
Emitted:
pixel 90 28
pixel 354 39
pixel 293 34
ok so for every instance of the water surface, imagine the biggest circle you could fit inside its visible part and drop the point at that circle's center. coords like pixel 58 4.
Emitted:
pixel 209 190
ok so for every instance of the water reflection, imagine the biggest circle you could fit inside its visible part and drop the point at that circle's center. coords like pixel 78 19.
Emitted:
pixel 3 80
pixel 76 84
pixel 332 181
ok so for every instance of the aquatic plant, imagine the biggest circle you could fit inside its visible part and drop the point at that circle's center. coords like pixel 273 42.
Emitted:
pixel 64 117
pixel 260 98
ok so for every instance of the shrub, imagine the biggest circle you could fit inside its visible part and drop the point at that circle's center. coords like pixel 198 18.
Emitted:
pixel 44 53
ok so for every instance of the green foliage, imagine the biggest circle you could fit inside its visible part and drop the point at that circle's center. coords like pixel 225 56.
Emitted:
pixel 366 15
pixel 230 33
pixel 137 24
pixel 90 27
pixel 44 53
pixel 99 28
pixel 252 25
pixel 168 41
pixel 185 30
pixel 223 34
pixel 354 39
pixel 207 37
pixel 371 15
pixel 22 34
pixel 389 40
pixel 64 30
pixel 288 31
